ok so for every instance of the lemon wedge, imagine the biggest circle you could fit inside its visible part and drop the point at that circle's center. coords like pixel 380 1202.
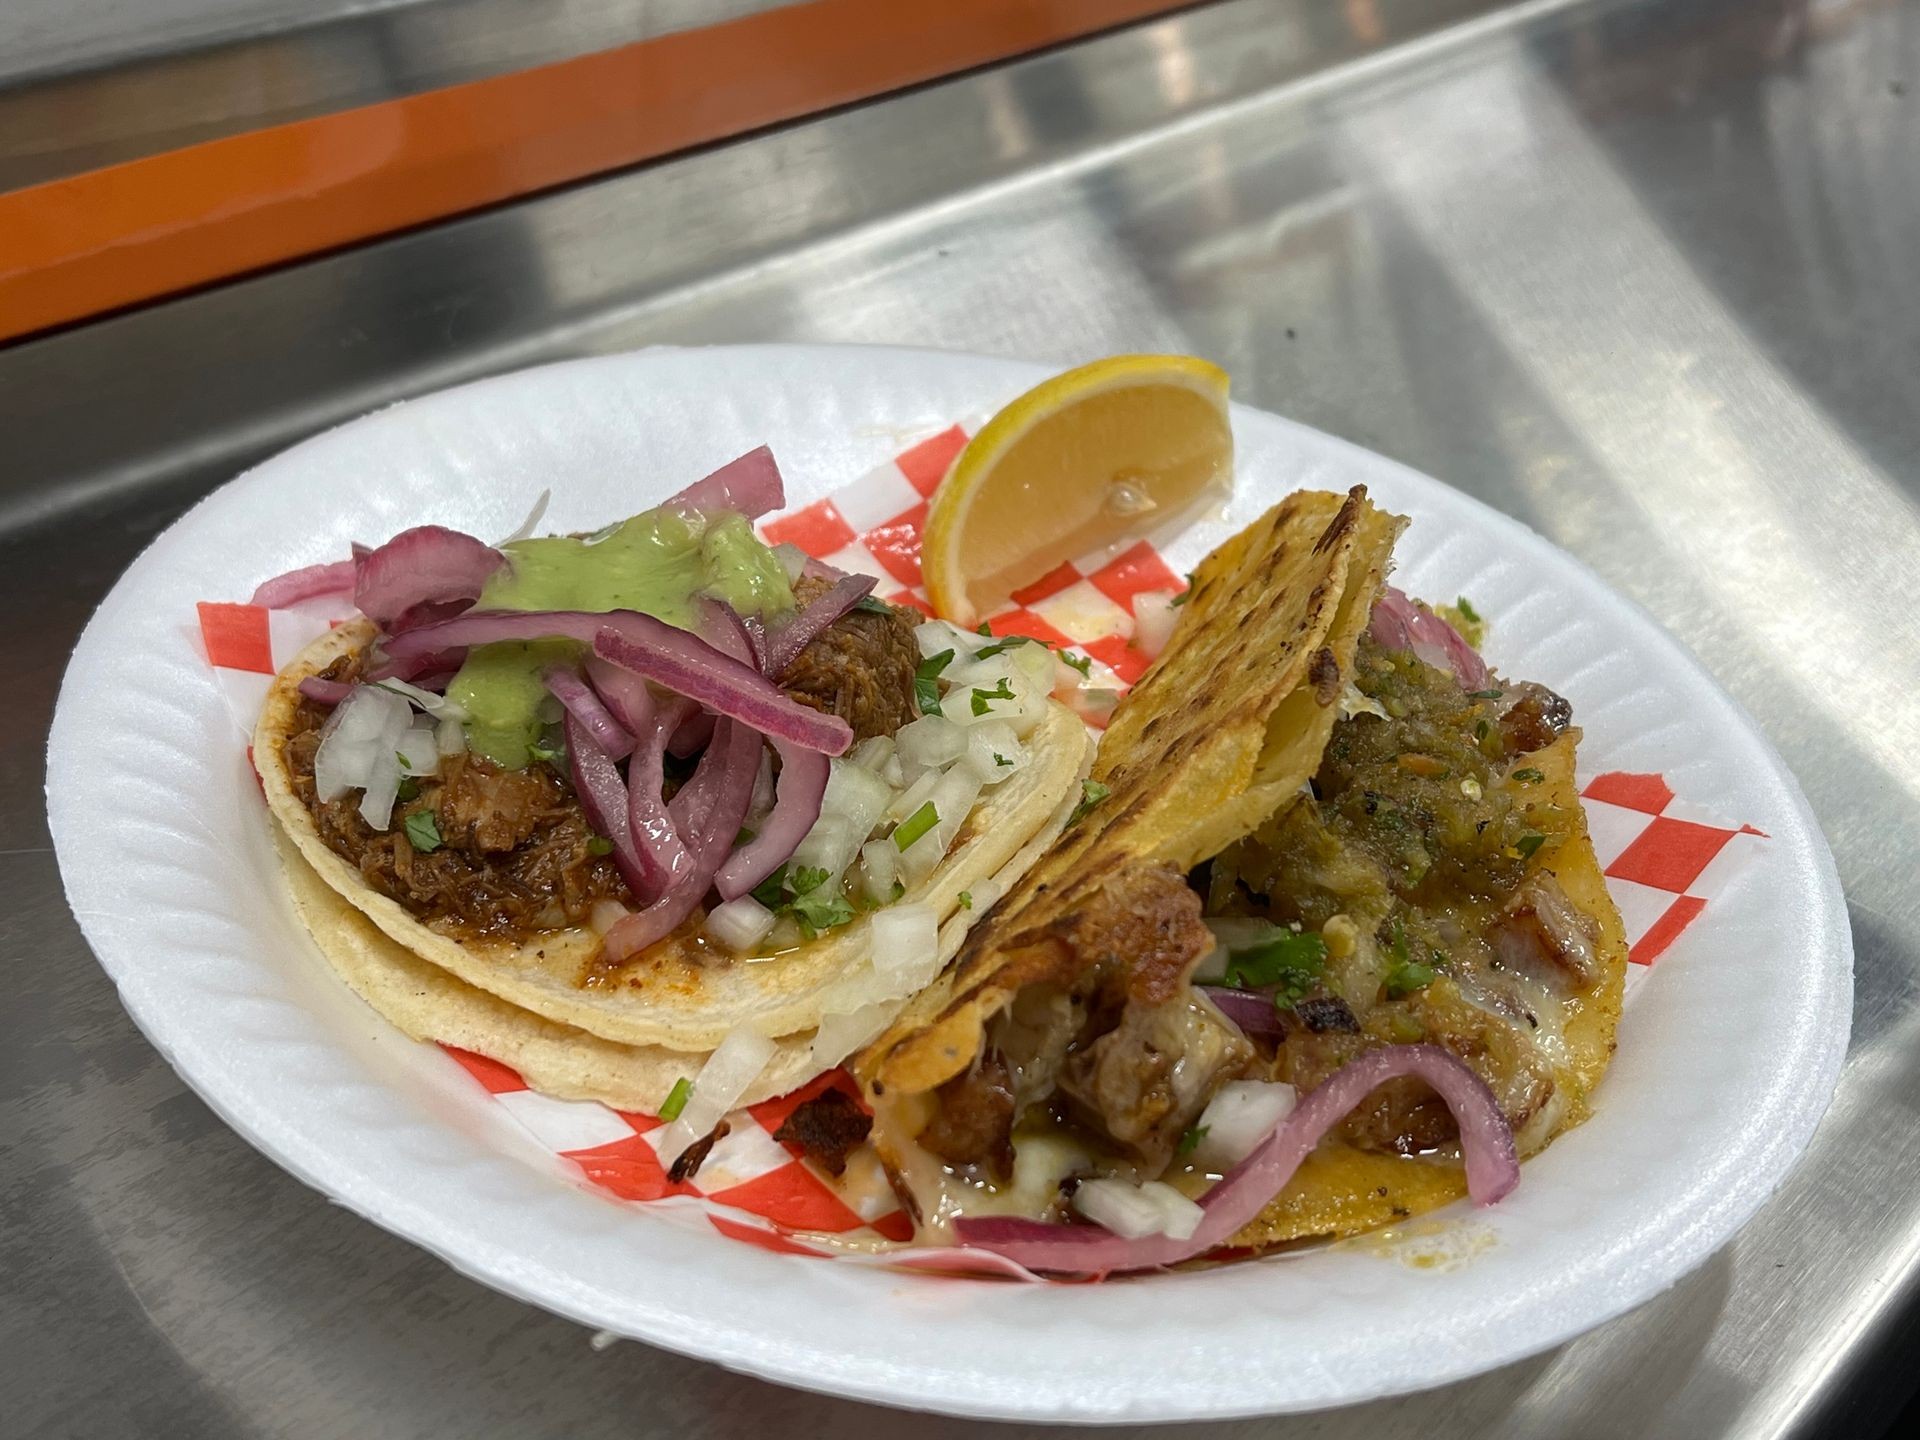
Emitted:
pixel 1093 456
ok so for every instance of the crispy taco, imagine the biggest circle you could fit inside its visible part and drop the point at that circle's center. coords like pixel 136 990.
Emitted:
pixel 612 808
pixel 1326 947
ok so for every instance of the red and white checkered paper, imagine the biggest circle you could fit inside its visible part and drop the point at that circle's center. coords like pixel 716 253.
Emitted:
pixel 1665 859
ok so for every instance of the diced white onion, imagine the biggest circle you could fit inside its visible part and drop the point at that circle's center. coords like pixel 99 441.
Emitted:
pixel 1230 933
pixel 352 736
pixel 838 1036
pixel 437 706
pixel 906 947
pixel 740 924
pixel 931 741
pixel 954 798
pixel 1154 616
pixel 792 559
pixel 872 754
pixel 419 749
pixel 1037 663
pixel 524 530
pixel 857 795
pixel 879 868
pixel 450 737
pixel 935 637
pixel 894 773
pixel 913 797
pixel 606 914
pixel 761 802
pixel 830 846
pixel 988 745
pixel 1239 1117
pixel 734 1065
pixel 1134 1212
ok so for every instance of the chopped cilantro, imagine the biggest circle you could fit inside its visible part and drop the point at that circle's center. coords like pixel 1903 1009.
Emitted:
pixel 1406 976
pixel 966 899
pixel 915 825
pixel 677 1099
pixel 1485 694
pixel 1480 730
pixel 409 788
pixel 1527 844
pixel 872 606
pixel 769 891
pixel 423 831
pixel 987 652
pixel 807 879
pixel 1000 759
pixel 1190 1140
pixel 554 754
pixel 405 764
pixel 899 889
pixel 1465 607
pixel 983 699
pixel 1528 776
pixel 1078 662
pixel 743 835
pixel 821 908
pixel 599 845
pixel 1186 594
pixel 984 629
pixel 926 686
pixel 1291 962
pixel 1092 792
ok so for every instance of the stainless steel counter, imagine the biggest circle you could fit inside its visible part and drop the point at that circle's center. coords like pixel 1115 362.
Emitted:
pixel 1645 275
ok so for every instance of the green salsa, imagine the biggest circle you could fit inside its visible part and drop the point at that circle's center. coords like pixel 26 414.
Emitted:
pixel 656 563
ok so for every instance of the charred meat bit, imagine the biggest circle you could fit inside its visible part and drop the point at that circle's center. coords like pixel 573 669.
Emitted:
pixel 1543 937
pixel 861 668
pixel 1535 720
pixel 1327 1013
pixel 827 1128
pixel 695 1155
pixel 972 1126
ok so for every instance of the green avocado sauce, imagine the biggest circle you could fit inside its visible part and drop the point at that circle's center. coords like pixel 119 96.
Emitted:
pixel 657 562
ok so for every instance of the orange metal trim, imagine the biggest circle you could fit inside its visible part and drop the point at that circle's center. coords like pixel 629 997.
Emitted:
pixel 94 242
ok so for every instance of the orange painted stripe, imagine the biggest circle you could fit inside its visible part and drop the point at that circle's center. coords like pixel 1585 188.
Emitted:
pixel 94 242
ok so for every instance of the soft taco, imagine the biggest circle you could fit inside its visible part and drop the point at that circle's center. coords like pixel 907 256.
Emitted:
pixel 623 808
pixel 1328 946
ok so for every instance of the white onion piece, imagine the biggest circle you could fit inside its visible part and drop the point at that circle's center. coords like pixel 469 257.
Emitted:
pixel 352 736
pixel 1038 664
pixel 1154 616
pixel 740 924
pixel 450 737
pixel 1230 933
pixel 838 1036
pixel 437 706
pixel 606 914
pixel 872 754
pixel 912 798
pixel 830 846
pixel 954 798
pixel 419 749
pixel 1136 1211
pixel 763 791
pixel 857 795
pixel 937 636
pixel 988 745
pixel 1239 1117
pixel 894 773
pixel 792 559
pixel 931 741
pixel 906 947
pixel 734 1065
pixel 524 530
pixel 879 869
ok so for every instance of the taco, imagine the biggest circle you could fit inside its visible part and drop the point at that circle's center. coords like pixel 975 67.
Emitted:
pixel 1328 946
pixel 606 806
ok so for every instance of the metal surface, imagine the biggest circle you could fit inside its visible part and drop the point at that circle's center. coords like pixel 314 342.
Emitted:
pixel 1645 275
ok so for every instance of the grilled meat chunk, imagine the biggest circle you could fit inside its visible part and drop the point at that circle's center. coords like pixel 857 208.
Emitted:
pixel 860 669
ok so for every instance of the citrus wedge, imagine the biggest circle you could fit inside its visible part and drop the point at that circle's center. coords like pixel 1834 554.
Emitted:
pixel 1093 456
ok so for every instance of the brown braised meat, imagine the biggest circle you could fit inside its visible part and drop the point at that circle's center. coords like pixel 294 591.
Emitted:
pixel 827 1128
pixel 516 853
pixel 861 669
pixel 1110 1027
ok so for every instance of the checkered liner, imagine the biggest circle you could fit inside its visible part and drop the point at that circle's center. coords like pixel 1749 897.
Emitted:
pixel 1664 859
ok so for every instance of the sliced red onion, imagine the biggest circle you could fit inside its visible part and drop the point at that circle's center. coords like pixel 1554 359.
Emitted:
pixel 820 570
pixel 1399 624
pixel 796 806
pixel 326 692
pixel 422 670
pixel 656 830
pixel 306 583
pixel 625 695
pixel 583 705
pixel 428 565
pixel 723 629
pixel 656 650
pixel 603 795
pixel 786 643
pixel 1486 1140
pixel 693 735
pixel 731 761
pixel 1252 1010
pixel 750 485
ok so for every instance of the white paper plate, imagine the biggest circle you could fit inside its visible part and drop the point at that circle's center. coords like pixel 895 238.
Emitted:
pixel 1726 1060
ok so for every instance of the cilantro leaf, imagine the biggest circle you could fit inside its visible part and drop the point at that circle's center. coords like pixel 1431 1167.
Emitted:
pixel 1528 776
pixel 872 606
pixel 1190 1141
pixel 1078 662
pixel 987 652
pixel 1465 607
pixel 966 899
pixel 926 681
pixel 1290 961
pixel 1527 844
pixel 1000 759
pixel 423 831
pixel 769 891
pixel 409 788
pixel 818 910
pixel 1092 792
pixel 599 845
pixel 1485 694
pixel 807 879
pixel 1406 976
pixel 983 699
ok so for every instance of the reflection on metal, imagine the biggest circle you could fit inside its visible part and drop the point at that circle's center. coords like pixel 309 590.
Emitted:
pixel 1646 276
